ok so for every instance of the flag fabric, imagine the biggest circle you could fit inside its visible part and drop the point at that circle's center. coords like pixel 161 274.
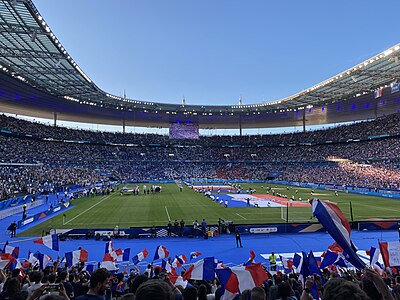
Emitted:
pixel 161 252
pixel 301 264
pixel 123 255
pixel 89 268
pixel 374 260
pixel 5 260
pixel 390 252
pixel 40 259
pixel 194 255
pixel 75 257
pixel 201 270
pixel 14 251
pixel 394 87
pixel 237 279
pixel 166 265
pixel 140 256
pixel 177 280
pixel 378 92
pixel 332 258
pixel 314 269
pixel 182 259
pixel 109 247
pixel 287 264
pixel 50 241
pixel 251 260
pixel 108 262
pixel 334 221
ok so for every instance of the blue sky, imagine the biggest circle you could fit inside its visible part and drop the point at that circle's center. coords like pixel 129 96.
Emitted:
pixel 213 52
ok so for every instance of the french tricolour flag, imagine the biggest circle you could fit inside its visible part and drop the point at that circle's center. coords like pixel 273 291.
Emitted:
pixel 390 253
pixel 140 256
pixel 161 252
pixel 201 270
pixel 334 221
pixel 14 251
pixel 40 259
pixel 287 264
pixel 108 262
pixel 6 259
pixel 168 267
pixel 374 259
pixel 77 256
pixel 332 258
pixel 251 260
pixel 50 241
pixel 177 280
pixel 237 279
pixel 194 255
pixel 123 255
pixel 179 261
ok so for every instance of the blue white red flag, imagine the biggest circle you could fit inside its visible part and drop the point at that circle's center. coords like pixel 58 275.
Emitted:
pixel 177 280
pixel 75 257
pixel 50 241
pixel 287 264
pixel 334 221
pixel 332 258
pixel 390 253
pixel 251 260
pixel 201 270
pixel 5 260
pixel 40 259
pixel 161 252
pixel 168 267
pixel 108 262
pixel 374 260
pixel 237 279
pixel 140 256
pixel 14 251
pixel 378 92
pixel 123 255
pixel 194 255
pixel 182 259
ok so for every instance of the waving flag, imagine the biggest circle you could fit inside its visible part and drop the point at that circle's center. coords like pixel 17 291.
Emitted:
pixel 108 262
pixel 332 258
pixel 40 259
pixel 177 280
pixel 390 253
pixel 161 252
pixel 334 221
pixel 5 260
pixel 201 270
pixel 14 251
pixel 109 247
pixel 168 267
pixel 194 255
pixel 287 264
pixel 50 241
pixel 237 279
pixel 182 259
pixel 301 264
pixel 140 256
pixel 123 255
pixel 75 257
pixel 251 260
pixel 374 260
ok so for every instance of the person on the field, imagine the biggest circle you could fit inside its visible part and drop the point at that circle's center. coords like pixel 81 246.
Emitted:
pixel 182 224
pixel 238 239
pixel 176 226
pixel 272 261
pixel 169 226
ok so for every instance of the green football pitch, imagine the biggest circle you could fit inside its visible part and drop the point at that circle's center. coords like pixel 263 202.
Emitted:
pixel 156 209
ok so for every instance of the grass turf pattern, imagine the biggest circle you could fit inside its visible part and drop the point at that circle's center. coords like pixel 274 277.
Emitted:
pixel 156 209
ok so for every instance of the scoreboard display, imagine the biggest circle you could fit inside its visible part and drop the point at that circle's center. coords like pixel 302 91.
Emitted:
pixel 183 131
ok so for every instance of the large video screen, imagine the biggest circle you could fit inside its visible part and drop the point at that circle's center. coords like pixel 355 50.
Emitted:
pixel 183 131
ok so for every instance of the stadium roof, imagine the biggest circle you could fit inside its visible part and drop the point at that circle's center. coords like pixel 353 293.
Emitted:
pixel 32 54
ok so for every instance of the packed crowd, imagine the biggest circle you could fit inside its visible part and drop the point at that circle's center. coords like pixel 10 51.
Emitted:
pixel 155 283
pixel 379 126
pixel 28 164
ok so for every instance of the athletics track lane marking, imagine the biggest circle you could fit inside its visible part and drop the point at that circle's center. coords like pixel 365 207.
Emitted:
pixel 88 209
